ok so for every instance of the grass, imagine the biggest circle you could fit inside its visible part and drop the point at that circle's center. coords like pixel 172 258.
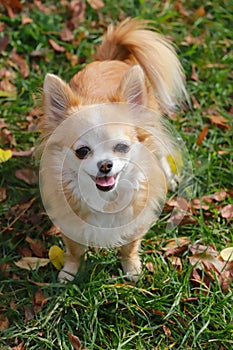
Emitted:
pixel 164 310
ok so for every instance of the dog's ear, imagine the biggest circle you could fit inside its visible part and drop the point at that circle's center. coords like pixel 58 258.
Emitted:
pixel 132 86
pixel 58 98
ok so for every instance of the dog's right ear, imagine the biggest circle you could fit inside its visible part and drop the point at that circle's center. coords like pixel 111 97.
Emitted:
pixel 58 98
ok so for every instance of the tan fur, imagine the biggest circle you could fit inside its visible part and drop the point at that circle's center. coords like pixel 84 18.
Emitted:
pixel 137 66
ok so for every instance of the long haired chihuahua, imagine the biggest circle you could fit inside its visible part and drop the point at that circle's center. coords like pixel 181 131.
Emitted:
pixel 103 174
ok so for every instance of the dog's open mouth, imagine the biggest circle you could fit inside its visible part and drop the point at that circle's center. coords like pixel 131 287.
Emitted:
pixel 105 183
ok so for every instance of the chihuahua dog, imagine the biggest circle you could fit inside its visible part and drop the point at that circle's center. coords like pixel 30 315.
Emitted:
pixel 104 175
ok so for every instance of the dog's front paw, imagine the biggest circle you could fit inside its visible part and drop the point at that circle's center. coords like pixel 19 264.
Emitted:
pixel 68 272
pixel 132 268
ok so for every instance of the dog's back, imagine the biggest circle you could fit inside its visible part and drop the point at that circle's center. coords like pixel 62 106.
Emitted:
pixel 133 42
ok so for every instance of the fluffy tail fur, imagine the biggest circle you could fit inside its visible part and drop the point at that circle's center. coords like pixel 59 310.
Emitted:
pixel 136 41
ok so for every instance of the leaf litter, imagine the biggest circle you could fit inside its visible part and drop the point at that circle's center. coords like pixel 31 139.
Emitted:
pixel 208 263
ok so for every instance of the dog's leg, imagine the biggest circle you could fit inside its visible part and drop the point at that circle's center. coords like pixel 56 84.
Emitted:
pixel 74 252
pixel 130 260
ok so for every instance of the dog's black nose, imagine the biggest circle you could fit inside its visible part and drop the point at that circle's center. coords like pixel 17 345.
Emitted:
pixel 105 166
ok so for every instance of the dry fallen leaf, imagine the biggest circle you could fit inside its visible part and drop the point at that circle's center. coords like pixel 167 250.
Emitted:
pixel 77 9
pixel 5 155
pixel 200 12
pixel 26 19
pixel 66 34
pixel 227 254
pixel 75 341
pixel 220 121
pixel 56 47
pixel 150 266
pixel 194 75
pixel 167 331
pixel 36 246
pixel 3 195
pixel 4 42
pixel 39 300
pixel 180 8
pixel 96 4
pixel 31 263
pixel 19 347
pixel 26 175
pixel 4 323
pixel 202 135
pixel 56 256
pixel 43 8
pixel 227 212
pixel 20 63
pixel 176 246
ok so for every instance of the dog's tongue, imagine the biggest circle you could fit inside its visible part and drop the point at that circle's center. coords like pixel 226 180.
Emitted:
pixel 105 181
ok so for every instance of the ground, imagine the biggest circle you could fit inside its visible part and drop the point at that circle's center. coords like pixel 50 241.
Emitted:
pixel 177 304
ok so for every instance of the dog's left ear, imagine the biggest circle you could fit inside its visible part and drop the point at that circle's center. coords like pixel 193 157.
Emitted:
pixel 132 86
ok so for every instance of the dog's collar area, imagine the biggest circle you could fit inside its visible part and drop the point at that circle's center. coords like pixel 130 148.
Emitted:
pixel 105 183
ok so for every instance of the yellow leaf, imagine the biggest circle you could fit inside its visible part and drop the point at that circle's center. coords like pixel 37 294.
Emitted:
pixel 175 163
pixel 56 256
pixel 5 155
pixel 31 263
pixel 227 254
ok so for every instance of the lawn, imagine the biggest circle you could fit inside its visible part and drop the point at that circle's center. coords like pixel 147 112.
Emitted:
pixel 184 299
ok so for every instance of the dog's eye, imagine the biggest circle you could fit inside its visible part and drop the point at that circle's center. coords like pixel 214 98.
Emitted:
pixel 121 148
pixel 82 152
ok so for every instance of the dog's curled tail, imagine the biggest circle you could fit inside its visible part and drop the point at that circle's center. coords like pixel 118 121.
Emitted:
pixel 135 40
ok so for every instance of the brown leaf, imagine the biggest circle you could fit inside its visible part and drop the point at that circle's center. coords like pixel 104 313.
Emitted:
pixel 200 12
pixel 39 300
pixel 194 75
pixel 53 231
pixel 66 34
pixel 6 85
pixel 77 9
pixel 3 195
pixel 12 7
pixel 220 195
pixel 220 121
pixel 227 212
pixel 56 47
pixel 25 251
pixel 179 218
pixel 150 266
pixel 20 63
pixel 176 246
pixel 4 323
pixel 2 27
pixel 26 19
pixel 37 247
pixel 96 4
pixel 199 204
pixel 180 8
pixel 72 58
pixel 202 135
pixel 26 175
pixel 26 153
pixel 176 262
pixel 19 347
pixel 4 42
pixel 31 263
pixel 43 8
pixel 202 249
pixel 6 136
pixel 167 330
pixel 29 313
pixel 75 341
